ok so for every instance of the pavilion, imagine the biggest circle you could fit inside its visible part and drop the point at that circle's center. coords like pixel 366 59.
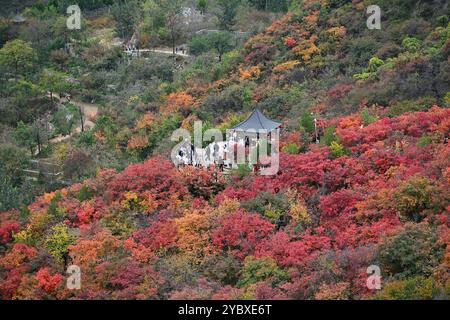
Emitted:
pixel 248 136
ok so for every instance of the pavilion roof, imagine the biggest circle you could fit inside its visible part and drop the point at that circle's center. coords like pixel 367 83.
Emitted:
pixel 257 121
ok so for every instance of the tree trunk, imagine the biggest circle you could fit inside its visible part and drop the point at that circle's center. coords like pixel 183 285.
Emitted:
pixel 173 45
pixel 81 118
pixel 38 140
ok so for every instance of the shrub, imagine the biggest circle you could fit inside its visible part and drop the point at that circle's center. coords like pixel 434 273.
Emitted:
pixel 413 252
pixel 414 197
pixel 256 270
pixel 58 242
pixel 337 150
pixel 291 148
pixel 417 288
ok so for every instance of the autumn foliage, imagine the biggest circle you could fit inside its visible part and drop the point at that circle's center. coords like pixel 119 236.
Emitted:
pixel 327 219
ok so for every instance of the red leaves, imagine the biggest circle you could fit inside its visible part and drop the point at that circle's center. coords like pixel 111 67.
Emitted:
pixel 157 176
pixel 135 281
pixel 338 203
pixel 46 281
pixel 241 232
pixel 7 228
pixel 293 253
pixel 290 42
pixel 161 234
pixel 91 211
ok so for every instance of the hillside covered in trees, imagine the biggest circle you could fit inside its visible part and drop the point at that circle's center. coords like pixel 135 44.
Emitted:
pixel 373 191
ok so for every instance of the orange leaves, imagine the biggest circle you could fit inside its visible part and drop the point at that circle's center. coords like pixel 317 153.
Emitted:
pixel 193 234
pixel 253 73
pixel 89 252
pixel 138 251
pixel 306 49
pixel 137 143
pixel 179 102
pixel 312 19
pixel 146 122
pixel 351 122
pixel 18 255
pixel 338 291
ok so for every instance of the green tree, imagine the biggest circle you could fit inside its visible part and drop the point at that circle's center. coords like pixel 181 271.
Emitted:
pixel 53 81
pixel 221 42
pixel 202 5
pixel 25 136
pixel 291 148
pixel 307 122
pixel 256 270
pixel 173 18
pixel 416 251
pixel 64 119
pixel 417 288
pixel 227 14
pixel 127 14
pixel 270 5
pixel 32 135
pixel 18 56
pixel 13 160
pixel 413 199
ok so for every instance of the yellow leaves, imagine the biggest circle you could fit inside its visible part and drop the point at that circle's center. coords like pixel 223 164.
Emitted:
pixel 226 207
pixel 337 32
pixel 133 99
pixel 188 122
pixel 132 201
pixel 250 74
pixel 299 213
pixel 287 66
pixel 306 49
pixel 298 210
pixel 33 230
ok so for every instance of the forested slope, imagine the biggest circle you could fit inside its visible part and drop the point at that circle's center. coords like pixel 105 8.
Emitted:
pixel 374 191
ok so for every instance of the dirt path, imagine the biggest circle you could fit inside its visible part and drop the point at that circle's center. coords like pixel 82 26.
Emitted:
pixel 161 50
pixel 90 112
